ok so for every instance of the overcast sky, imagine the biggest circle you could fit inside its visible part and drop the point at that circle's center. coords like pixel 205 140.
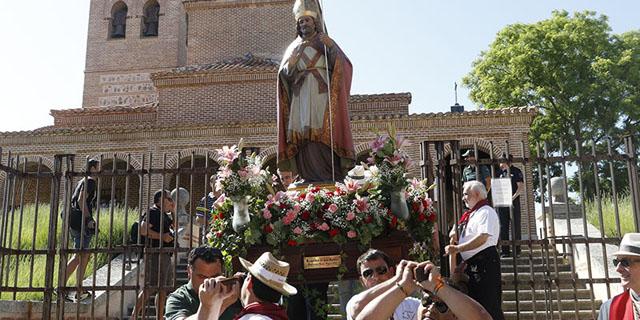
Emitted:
pixel 417 46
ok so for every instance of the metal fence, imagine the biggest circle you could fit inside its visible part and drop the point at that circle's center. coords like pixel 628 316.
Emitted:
pixel 571 197
pixel 577 204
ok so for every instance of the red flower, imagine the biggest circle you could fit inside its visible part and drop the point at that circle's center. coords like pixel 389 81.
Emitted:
pixel 302 196
pixel 415 206
pixel 330 194
pixel 219 234
pixel 432 217
pixel 221 215
pixel 421 217
pixel 325 206
pixel 306 215
pixel 394 222
pixel 313 226
pixel 283 205
pixel 333 232
pixel 368 219
pixel 267 228
pixel 316 189
pixel 292 243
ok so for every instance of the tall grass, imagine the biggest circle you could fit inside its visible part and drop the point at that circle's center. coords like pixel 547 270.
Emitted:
pixel 29 229
pixel 608 215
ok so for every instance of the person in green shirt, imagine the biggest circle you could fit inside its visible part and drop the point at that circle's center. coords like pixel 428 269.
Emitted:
pixel 204 263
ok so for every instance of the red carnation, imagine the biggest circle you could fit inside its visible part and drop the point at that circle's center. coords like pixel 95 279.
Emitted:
pixel 221 215
pixel 415 206
pixel 394 222
pixel 306 215
pixel 368 219
pixel 302 196
pixel 283 206
pixel 219 234
pixel 421 217
pixel 325 206
pixel 333 232
pixel 330 194
pixel 313 226
pixel 292 243
pixel 432 217
pixel 316 189
pixel 267 228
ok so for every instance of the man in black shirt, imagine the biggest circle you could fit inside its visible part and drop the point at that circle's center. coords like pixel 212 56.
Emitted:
pixel 82 227
pixel 517 189
pixel 158 227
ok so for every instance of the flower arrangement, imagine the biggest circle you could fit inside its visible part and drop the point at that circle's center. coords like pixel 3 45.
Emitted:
pixel 356 210
pixel 240 176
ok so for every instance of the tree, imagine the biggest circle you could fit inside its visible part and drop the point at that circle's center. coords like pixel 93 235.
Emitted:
pixel 572 68
pixel 584 79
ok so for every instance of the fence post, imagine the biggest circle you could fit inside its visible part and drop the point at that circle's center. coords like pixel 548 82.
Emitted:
pixel 634 185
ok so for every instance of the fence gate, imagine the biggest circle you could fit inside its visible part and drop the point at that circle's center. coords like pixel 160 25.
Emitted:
pixel 576 204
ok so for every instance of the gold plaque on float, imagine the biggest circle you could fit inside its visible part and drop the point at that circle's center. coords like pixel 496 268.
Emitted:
pixel 322 262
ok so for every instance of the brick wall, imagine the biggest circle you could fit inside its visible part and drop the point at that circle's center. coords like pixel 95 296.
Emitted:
pixel 228 29
pixel 117 70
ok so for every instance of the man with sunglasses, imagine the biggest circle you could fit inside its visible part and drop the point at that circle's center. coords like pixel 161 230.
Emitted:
pixel 378 274
pixel 625 306
pixel 203 263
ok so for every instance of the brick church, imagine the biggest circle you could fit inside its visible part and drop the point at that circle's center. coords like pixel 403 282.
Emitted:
pixel 178 79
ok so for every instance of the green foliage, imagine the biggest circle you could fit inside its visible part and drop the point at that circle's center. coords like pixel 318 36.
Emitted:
pixel 572 68
pixel 609 216
pixel 27 270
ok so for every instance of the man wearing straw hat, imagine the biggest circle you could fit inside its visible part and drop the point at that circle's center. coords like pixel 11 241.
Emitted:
pixel 263 288
pixel 625 306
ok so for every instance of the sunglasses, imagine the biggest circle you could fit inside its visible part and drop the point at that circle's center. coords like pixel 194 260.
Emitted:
pixel 368 273
pixel 624 262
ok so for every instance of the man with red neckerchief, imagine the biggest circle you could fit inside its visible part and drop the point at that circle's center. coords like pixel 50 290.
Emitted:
pixel 478 232
pixel 625 306
pixel 262 289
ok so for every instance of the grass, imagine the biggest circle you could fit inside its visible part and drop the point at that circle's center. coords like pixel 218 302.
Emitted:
pixel 28 271
pixel 608 215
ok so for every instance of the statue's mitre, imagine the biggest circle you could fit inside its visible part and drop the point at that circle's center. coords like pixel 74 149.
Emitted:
pixel 307 8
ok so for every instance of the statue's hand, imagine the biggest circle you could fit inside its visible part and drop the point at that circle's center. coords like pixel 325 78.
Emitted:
pixel 326 40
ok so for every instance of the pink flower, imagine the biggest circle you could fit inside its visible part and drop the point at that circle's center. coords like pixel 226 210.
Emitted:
pixel 310 197
pixel 324 226
pixel 361 204
pixel 266 213
pixel 352 234
pixel 333 208
pixel 395 158
pixel 289 217
pixel 402 142
pixel 351 216
pixel 243 173
pixel 297 230
pixel 296 208
pixel 377 143
pixel 227 154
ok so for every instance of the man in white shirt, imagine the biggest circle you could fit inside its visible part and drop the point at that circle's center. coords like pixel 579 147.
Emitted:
pixel 378 274
pixel 477 236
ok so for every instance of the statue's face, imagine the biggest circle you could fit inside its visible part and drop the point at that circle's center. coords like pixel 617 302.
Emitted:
pixel 306 26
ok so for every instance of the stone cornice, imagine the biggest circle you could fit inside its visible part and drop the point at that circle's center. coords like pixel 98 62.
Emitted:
pixel 383 97
pixel 88 111
pixel 216 4
pixel 207 77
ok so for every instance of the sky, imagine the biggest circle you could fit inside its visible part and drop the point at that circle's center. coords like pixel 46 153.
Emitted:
pixel 416 46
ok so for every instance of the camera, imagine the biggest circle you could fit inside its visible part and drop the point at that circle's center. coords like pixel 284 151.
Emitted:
pixel 420 275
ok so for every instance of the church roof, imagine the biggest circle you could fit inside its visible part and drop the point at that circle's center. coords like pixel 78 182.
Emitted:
pixel 246 63
pixel 151 107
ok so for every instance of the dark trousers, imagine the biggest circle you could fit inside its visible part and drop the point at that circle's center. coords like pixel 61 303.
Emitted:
pixel 485 283
pixel 505 223
pixel 302 307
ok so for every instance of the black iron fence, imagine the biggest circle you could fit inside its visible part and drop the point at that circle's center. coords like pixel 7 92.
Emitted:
pixel 577 204
pixel 574 208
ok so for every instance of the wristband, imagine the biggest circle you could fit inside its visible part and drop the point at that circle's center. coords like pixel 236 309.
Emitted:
pixel 439 285
pixel 401 289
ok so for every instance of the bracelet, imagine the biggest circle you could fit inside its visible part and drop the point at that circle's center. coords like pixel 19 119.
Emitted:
pixel 402 289
pixel 439 285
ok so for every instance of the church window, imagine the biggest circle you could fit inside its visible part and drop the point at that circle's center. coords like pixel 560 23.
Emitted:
pixel 150 19
pixel 118 20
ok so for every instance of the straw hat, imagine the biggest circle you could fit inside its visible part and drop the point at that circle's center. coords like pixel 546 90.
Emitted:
pixel 629 246
pixel 271 272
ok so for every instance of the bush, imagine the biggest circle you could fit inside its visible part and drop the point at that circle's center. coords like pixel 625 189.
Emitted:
pixel 609 217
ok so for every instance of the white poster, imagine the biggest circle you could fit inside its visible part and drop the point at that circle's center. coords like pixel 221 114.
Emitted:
pixel 501 192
